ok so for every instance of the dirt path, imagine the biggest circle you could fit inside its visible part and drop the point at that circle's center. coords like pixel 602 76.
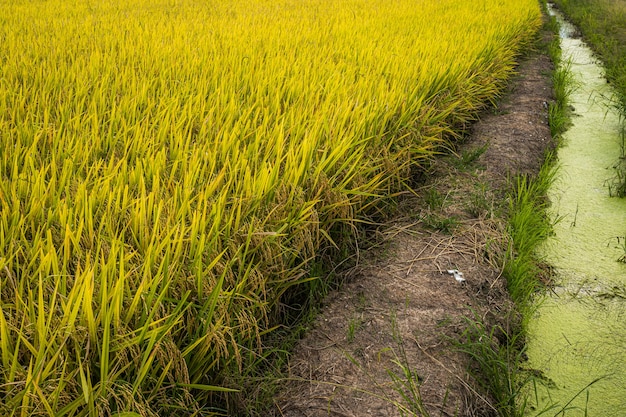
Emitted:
pixel 399 308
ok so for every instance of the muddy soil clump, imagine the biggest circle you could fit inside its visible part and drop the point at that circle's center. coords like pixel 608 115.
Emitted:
pixel 390 329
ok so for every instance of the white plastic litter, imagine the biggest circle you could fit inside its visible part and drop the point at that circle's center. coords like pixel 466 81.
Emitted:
pixel 457 275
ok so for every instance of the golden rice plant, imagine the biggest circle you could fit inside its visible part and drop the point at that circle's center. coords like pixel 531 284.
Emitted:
pixel 170 168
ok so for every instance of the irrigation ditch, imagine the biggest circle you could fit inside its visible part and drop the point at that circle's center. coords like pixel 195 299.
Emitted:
pixel 576 336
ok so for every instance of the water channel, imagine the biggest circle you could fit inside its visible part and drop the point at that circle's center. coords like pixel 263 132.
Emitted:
pixel 577 339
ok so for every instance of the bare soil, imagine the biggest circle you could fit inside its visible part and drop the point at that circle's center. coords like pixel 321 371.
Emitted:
pixel 399 309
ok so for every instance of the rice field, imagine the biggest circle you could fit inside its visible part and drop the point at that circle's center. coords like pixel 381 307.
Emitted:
pixel 170 169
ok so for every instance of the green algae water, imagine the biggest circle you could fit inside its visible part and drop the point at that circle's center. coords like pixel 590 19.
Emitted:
pixel 577 339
